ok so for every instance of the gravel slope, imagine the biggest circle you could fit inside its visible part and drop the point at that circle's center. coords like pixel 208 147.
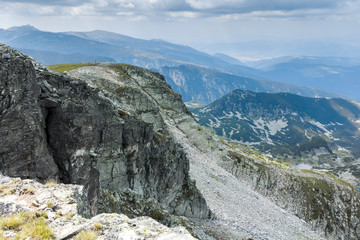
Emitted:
pixel 240 211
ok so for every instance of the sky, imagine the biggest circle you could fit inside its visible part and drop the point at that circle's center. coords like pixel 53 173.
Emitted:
pixel 204 24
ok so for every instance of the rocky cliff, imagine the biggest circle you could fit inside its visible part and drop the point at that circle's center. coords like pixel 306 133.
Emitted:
pixel 56 127
pixel 328 203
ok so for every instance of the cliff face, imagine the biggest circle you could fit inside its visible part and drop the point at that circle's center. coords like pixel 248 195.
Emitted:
pixel 329 204
pixel 57 127
pixel 23 142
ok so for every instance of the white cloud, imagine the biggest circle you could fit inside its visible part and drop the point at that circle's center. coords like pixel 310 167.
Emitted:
pixel 185 14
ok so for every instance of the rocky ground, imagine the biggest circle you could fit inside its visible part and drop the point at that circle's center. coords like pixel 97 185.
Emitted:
pixel 240 211
pixel 58 204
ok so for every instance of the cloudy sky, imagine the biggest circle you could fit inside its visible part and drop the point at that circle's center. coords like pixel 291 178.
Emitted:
pixel 198 23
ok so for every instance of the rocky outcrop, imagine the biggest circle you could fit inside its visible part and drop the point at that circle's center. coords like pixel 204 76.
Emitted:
pixel 329 204
pixel 58 204
pixel 57 127
pixel 23 142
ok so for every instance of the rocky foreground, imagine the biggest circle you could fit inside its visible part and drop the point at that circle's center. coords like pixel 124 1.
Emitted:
pixel 58 205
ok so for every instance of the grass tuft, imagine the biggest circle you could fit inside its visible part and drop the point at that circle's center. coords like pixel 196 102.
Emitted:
pixel 98 226
pixel 50 204
pixel 86 235
pixel 51 183
pixel 12 222
pixel 27 225
pixel 37 229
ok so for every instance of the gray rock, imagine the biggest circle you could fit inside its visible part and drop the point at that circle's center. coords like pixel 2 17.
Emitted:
pixel 65 223
pixel 57 127
pixel 5 55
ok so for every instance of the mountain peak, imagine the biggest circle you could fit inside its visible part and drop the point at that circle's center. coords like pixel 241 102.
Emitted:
pixel 23 28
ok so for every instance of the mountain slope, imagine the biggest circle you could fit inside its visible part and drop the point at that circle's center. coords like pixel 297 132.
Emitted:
pixel 206 85
pixel 58 58
pixel 288 126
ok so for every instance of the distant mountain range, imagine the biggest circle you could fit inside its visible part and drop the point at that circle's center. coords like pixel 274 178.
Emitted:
pixel 205 85
pixel 336 74
pixel 318 131
pixel 145 53
pixel 198 71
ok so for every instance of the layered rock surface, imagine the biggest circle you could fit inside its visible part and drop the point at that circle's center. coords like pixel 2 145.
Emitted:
pixel 56 127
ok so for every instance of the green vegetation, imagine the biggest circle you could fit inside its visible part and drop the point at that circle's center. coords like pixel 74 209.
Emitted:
pixel 36 229
pixel 123 113
pixel 257 155
pixel 315 142
pixel 121 89
pixel 98 226
pixel 41 214
pixel 9 189
pixel 328 174
pixel 69 66
pixel 51 183
pixel 224 142
pixel 318 194
pixel 157 215
pixel 338 180
pixel 6 190
pixel 120 68
pixel 86 235
pixel 50 204
pixel 27 225
pixel 12 222
pixel 159 138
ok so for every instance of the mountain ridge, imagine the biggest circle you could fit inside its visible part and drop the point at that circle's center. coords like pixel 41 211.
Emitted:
pixel 287 125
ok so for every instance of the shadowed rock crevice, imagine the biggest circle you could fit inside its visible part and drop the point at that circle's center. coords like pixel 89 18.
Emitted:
pixel 62 163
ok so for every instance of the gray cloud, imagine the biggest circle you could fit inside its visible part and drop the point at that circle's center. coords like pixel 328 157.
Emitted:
pixel 202 8
pixel 47 2
pixel 247 6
